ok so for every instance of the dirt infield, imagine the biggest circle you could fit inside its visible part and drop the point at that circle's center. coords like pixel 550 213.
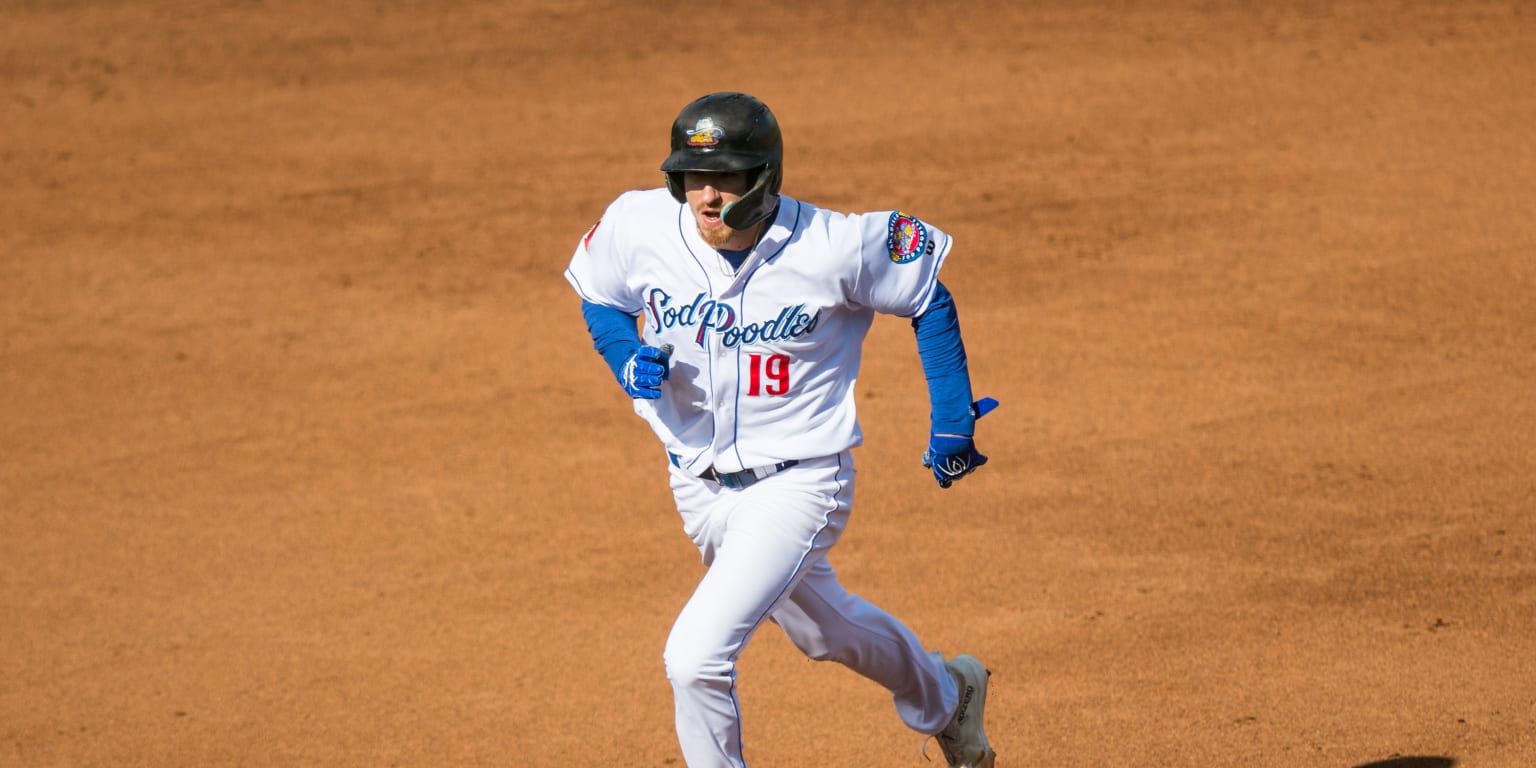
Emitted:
pixel 307 460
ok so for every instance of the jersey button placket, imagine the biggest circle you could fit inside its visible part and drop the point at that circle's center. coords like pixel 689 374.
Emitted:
pixel 727 388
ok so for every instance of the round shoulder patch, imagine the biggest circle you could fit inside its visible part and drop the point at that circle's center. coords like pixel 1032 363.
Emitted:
pixel 906 237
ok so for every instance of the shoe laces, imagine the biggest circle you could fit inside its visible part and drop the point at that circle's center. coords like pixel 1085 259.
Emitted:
pixel 923 748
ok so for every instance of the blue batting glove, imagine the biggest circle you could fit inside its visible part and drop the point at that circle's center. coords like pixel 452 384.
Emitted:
pixel 643 373
pixel 952 457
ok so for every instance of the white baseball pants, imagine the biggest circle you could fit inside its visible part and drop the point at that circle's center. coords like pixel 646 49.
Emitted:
pixel 766 547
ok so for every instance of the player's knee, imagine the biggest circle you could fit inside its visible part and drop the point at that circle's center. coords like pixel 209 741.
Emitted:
pixel 814 646
pixel 809 634
pixel 696 664
pixel 692 667
pixel 824 652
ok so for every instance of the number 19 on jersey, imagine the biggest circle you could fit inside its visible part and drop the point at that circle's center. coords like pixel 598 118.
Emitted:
pixel 773 368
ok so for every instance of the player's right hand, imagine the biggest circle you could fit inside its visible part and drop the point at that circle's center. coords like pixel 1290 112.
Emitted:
pixel 644 372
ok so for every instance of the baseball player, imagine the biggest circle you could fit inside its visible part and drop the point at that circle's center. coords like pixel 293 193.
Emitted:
pixel 735 317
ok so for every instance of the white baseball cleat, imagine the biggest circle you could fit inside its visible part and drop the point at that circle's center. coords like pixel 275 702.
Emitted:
pixel 964 740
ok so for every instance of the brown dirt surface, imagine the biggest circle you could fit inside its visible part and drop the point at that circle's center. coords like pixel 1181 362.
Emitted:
pixel 307 460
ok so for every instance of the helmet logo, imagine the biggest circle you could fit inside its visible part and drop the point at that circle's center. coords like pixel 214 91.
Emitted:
pixel 705 133
pixel 906 237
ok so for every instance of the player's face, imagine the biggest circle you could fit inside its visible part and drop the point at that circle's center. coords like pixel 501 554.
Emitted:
pixel 708 194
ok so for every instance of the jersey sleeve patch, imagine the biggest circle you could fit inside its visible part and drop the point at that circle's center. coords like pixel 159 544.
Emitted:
pixel 907 238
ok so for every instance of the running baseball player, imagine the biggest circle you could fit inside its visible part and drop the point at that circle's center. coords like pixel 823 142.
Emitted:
pixel 735 317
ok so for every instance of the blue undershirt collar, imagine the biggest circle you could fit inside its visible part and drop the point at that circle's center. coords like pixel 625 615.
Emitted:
pixel 736 258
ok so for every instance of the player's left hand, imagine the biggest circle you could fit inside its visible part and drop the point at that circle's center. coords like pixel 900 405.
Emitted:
pixel 952 457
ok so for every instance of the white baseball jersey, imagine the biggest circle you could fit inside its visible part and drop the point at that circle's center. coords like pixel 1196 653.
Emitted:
pixel 765 356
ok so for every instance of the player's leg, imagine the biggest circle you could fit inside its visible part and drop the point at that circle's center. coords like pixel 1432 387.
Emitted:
pixel 828 624
pixel 758 543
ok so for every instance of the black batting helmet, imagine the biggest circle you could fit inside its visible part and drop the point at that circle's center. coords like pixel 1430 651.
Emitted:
pixel 729 132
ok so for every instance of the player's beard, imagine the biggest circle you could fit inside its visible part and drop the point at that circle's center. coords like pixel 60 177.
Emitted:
pixel 716 236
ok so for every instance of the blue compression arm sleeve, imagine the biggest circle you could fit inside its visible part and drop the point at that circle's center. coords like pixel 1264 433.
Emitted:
pixel 613 334
pixel 943 353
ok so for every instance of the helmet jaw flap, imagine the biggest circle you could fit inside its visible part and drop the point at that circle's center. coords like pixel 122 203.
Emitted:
pixel 727 132
pixel 757 204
